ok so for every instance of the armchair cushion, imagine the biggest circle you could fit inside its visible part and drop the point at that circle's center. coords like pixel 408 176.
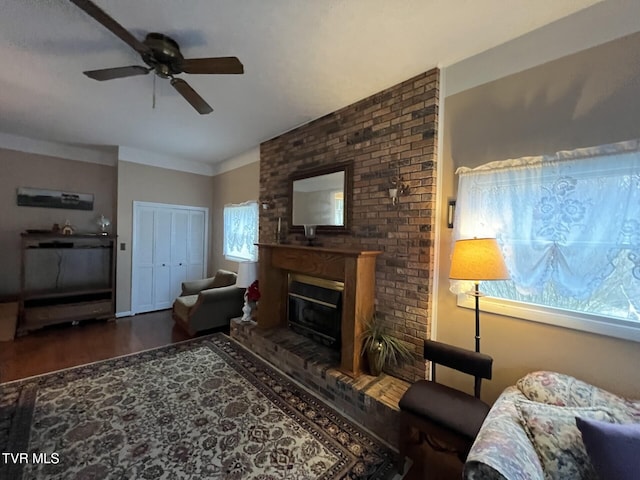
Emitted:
pixel 196 286
pixel 183 305
pixel 223 278
pixel 564 390
pixel 556 438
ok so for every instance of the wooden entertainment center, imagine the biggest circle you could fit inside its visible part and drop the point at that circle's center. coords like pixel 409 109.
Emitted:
pixel 65 278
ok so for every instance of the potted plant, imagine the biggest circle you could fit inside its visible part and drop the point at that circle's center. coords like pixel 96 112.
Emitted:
pixel 382 348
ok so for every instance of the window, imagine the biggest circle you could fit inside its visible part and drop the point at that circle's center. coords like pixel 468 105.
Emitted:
pixel 569 228
pixel 241 231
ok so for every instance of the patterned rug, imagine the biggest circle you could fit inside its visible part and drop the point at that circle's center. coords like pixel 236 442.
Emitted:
pixel 202 409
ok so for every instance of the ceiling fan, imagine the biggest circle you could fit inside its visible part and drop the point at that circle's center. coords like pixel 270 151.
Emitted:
pixel 162 55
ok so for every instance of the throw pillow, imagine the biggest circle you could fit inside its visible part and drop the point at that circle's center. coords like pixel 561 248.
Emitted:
pixel 564 390
pixel 553 432
pixel 613 448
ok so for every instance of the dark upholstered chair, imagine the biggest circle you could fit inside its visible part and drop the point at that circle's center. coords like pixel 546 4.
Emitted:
pixel 446 418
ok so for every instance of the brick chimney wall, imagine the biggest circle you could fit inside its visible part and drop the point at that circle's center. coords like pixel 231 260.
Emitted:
pixel 390 133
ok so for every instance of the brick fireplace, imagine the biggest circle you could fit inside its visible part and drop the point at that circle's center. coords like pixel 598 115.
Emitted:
pixel 390 133
pixel 355 269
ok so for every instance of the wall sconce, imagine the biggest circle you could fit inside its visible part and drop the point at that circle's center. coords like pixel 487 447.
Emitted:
pixel 451 212
pixel 267 203
pixel 398 190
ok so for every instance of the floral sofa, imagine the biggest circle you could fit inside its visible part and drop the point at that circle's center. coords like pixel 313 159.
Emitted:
pixel 531 432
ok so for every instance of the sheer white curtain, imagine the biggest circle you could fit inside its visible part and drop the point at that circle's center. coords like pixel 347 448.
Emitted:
pixel 566 222
pixel 241 231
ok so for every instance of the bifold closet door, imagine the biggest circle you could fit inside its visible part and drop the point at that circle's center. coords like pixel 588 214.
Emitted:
pixel 162 285
pixel 196 260
pixel 169 248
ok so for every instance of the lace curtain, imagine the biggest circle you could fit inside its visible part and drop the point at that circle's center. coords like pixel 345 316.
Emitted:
pixel 241 231
pixel 566 222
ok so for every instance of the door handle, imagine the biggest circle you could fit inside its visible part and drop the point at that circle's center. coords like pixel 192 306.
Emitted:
pixel 164 265
pixel 180 264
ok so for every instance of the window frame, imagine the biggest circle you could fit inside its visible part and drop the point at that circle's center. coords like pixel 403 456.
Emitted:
pixel 585 322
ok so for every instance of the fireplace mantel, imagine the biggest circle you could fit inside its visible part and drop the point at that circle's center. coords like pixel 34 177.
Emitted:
pixel 356 268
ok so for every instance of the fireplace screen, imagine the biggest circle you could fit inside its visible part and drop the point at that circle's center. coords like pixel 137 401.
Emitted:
pixel 315 309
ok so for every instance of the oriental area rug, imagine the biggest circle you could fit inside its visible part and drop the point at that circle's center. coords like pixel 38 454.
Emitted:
pixel 201 409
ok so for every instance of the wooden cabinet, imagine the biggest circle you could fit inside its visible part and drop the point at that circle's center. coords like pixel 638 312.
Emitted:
pixel 65 278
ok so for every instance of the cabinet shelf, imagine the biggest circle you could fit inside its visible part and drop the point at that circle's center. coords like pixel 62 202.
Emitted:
pixel 68 292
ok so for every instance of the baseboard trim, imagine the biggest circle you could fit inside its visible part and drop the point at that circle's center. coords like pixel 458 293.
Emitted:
pixel 124 314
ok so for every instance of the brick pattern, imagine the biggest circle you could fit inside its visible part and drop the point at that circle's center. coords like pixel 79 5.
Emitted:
pixel 370 401
pixel 387 134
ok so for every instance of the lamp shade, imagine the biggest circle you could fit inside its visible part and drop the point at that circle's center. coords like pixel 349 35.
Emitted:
pixel 247 274
pixel 477 259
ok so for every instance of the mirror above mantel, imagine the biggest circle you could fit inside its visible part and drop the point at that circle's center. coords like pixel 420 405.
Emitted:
pixel 321 197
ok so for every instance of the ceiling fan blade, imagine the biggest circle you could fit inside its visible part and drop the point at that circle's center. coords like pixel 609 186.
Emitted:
pixel 191 96
pixel 219 65
pixel 110 24
pixel 119 72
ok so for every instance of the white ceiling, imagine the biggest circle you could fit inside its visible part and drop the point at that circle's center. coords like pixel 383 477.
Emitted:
pixel 302 59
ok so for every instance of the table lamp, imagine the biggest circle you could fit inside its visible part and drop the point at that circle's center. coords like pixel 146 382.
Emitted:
pixel 477 259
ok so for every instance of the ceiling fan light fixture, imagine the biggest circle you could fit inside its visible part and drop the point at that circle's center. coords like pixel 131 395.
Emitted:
pixel 162 71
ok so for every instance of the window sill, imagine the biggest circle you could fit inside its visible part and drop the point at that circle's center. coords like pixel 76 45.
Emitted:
pixel 611 327
pixel 239 259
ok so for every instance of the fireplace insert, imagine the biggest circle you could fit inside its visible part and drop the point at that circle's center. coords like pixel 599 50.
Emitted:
pixel 315 309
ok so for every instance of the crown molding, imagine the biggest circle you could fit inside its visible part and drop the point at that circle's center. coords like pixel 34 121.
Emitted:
pixel 102 156
pixel 154 159
pixel 245 158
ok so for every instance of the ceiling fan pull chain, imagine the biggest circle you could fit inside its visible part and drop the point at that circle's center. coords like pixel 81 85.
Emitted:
pixel 153 105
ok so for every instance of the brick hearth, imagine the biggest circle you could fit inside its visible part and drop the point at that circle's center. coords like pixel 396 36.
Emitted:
pixel 370 401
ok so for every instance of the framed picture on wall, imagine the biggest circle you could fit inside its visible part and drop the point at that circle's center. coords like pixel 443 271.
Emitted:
pixel 39 197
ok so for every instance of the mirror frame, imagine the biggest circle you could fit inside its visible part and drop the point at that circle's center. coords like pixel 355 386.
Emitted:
pixel 345 167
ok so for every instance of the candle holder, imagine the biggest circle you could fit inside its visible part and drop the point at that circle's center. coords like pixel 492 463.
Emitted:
pixel 310 234
pixel 281 236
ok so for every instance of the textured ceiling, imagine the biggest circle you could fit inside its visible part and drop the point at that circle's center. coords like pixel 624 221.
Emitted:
pixel 302 59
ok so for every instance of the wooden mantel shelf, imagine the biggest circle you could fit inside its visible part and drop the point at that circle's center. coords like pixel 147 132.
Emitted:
pixel 355 268
pixel 339 251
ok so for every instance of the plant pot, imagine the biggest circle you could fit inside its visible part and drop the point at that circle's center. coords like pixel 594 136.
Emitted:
pixel 373 356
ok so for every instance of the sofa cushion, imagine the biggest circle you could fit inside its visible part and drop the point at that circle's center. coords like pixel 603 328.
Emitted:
pixel 564 390
pixel 183 305
pixel 612 448
pixel 223 278
pixel 553 432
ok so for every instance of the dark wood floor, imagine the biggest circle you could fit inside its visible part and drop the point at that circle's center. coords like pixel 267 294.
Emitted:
pixel 65 346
